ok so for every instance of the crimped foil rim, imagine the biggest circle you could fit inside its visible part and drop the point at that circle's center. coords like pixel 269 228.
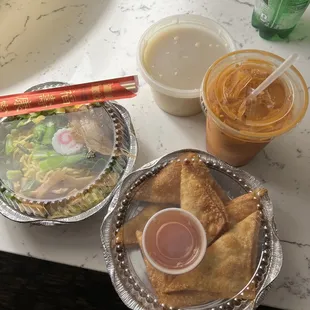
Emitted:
pixel 125 293
pixel 17 216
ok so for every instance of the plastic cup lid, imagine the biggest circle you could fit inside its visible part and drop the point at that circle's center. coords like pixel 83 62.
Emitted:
pixel 174 241
pixel 56 157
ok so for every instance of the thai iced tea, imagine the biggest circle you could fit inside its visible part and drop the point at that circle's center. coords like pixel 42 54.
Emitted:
pixel 237 129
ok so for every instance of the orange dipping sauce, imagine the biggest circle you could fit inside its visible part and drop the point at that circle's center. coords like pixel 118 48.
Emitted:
pixel 174 241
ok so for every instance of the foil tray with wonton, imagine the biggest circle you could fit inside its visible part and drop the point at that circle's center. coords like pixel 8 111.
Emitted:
pixel 243 254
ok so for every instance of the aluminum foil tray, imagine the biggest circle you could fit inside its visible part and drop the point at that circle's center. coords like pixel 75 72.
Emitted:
pixel 126 266
pixel 22 210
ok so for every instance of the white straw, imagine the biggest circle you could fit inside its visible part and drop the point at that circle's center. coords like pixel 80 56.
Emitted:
pixel 273 76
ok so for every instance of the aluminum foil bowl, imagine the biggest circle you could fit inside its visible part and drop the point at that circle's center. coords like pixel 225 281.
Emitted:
pixel 126 266
pixel 20 209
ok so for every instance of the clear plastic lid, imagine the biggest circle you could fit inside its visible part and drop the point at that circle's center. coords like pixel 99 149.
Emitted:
pixel 174 241
pixel 215 36
pixel 231 79
pixel 170 241
pixel 59 161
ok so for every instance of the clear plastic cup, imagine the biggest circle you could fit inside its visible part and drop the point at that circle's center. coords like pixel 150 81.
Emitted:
pixel 174 241
pixel 176 101
pixel 237 130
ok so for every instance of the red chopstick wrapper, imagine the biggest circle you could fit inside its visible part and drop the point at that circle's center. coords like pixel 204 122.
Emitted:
pixel 60 97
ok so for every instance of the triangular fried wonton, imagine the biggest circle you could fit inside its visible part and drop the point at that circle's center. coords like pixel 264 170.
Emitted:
pixel 241 207
pixel 160 280
pixel 127 233
pixel 164 187
pixel 228 265
pixel 215 186
pixel 186 298
pixel 157 278
pixel 199 197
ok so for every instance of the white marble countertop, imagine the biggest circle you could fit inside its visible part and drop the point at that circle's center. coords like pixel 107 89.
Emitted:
pixel 78 41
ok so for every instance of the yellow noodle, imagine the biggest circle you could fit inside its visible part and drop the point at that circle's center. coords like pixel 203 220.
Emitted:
pixel 15 153
pixel 20 140
pixel 22 159
pixel 47 176
pixel 29 160
pixel 30 173
pixel 38 176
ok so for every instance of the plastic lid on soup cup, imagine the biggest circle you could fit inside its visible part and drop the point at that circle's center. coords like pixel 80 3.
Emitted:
pixel 174 241
pixel 182 19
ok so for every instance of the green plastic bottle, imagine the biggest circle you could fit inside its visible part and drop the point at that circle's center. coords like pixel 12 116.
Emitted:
pixel 277 18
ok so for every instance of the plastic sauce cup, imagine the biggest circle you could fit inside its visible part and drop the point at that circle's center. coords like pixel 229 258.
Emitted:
pixel 174 241
pixel 183 47
pixel 236 132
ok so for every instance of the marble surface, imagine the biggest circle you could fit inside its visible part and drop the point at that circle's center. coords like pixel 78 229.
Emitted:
pixel 78 41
